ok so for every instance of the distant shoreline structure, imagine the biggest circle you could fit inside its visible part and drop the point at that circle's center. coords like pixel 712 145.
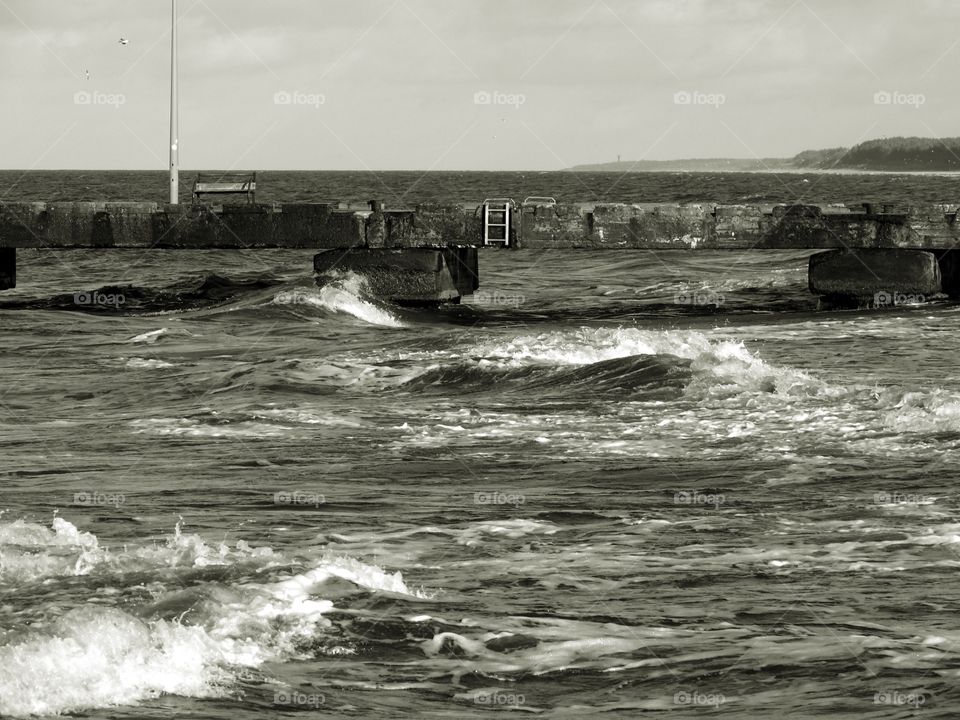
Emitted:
pixel 896 155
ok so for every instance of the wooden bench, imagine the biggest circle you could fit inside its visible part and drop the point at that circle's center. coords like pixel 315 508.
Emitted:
pixel 226 184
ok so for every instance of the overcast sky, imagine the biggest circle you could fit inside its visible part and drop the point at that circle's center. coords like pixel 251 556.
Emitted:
pixel 468 84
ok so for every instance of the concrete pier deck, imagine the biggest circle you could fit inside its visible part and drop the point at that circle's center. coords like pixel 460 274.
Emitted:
pixel 589 225
pixel 871 250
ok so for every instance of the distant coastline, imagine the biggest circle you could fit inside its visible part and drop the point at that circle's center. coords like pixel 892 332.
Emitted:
pixel 886 155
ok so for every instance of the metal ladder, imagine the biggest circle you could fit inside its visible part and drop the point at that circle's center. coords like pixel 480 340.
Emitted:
pixel 497 219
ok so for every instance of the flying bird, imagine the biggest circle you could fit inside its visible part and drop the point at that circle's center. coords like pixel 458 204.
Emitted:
pixel 123 41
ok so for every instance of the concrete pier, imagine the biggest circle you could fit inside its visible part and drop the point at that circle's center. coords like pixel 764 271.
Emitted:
pixel 931 230
pixel 8 268
pixel 691 226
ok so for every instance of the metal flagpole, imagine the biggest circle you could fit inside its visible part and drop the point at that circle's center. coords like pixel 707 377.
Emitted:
pixel 174 109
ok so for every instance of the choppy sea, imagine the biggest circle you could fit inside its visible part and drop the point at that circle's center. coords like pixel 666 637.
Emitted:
pixel 613 484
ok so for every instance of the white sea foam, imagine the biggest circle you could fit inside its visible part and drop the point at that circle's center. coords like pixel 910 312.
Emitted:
pixel 306 416
pixel 716 363
pixel 925 412
pixel 186 427
pixel 138 363
pixel 511 529
pixel 195 642
pixel 97 657
pixel 721 367
pixel 150 337
pixel 29 551
pixel 344 293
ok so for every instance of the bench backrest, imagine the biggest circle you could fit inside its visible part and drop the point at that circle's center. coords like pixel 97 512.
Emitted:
pixel 226 184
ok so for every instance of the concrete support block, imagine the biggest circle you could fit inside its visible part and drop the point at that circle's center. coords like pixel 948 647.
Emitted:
pixel 407 276
pixel 949 262
pixel 879 276
pixel 463 264
pixel 8 268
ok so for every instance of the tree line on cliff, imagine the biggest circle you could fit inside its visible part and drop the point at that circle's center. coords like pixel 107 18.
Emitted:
pixel 896 153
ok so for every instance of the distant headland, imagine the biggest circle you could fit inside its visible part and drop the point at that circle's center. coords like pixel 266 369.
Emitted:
pixel 897 154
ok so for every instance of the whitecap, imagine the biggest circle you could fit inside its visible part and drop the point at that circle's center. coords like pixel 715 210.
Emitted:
pixel 344 293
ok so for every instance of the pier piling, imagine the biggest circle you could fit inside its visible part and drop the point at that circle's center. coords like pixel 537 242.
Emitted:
pixel 875 276
pixel 8 268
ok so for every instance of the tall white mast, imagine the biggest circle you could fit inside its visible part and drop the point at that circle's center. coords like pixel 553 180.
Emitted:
pixel 174 108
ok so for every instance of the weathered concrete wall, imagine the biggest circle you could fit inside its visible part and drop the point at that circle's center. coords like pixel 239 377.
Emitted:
pixel 116 225
pixel 689 226
pixel 561 225
pixel 432 223
pixel 603 225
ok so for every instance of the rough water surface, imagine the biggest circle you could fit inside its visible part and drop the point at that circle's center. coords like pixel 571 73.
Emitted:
pixel 613 484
